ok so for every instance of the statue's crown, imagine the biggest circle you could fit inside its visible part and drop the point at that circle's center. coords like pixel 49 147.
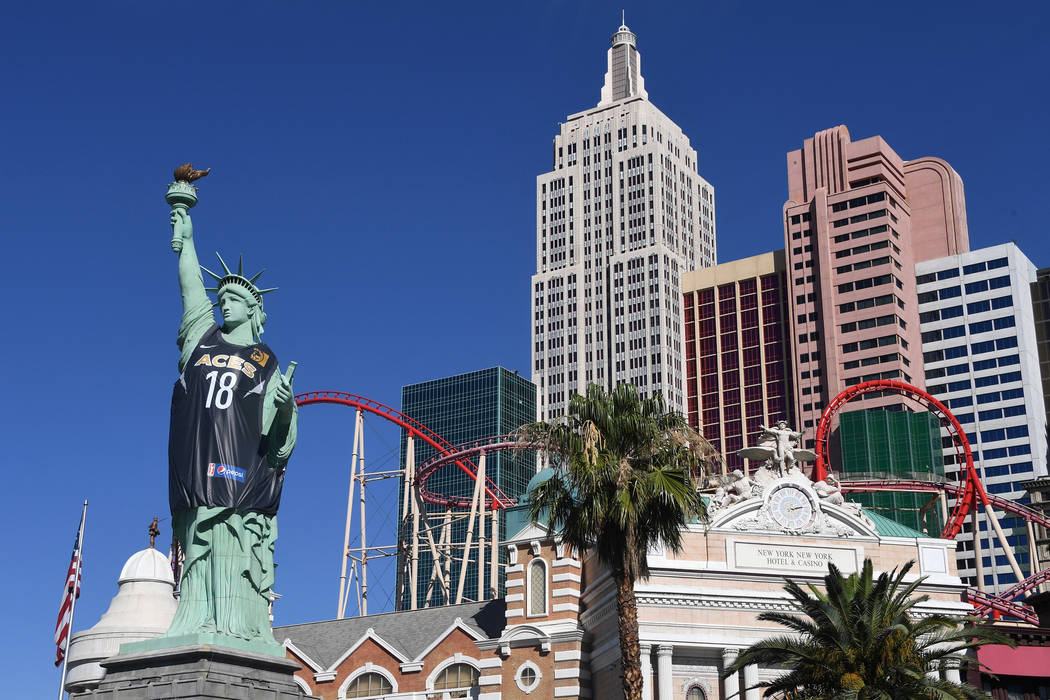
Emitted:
pixel 238 279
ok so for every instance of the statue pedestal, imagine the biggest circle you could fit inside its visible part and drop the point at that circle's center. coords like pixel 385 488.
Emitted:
pixel 196 672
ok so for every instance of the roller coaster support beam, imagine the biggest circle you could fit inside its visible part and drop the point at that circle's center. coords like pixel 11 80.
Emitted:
pixel 341 603
pixel 978 555
pixel 1033 549
pixel 362 601
pixel 470 529
pixel 482 541
pixel 994 520
pixel 494 564
pixel 414 500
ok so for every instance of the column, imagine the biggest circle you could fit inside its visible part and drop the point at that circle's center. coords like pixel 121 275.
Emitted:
pixel 731 684
pixel 664 684
pixel 750 680
pixel 647 671
pixel 951 674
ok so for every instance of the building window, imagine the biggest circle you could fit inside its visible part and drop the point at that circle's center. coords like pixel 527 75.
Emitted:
pixel 695 693
pixel 528 677
pixel 537 587
pixel 456 681
pixel 367 685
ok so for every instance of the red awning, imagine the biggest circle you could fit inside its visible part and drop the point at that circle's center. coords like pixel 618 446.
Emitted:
pixel 1033 662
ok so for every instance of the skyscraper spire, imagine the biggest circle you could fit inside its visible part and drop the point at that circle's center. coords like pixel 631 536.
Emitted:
pixel 623 77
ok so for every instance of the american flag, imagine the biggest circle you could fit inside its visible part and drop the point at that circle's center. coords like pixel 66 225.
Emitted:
pixel 70 592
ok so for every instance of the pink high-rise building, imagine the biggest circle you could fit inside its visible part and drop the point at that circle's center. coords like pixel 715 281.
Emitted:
pixel 857 219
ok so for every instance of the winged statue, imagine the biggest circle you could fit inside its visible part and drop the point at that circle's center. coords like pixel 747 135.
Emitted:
pixel 778 448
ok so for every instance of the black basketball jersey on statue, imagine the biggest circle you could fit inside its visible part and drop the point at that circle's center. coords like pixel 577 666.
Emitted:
pixel 217 454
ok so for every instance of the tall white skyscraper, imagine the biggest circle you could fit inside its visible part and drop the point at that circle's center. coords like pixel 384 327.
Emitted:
pixel 620 218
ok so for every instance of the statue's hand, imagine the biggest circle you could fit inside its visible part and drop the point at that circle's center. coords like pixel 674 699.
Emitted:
pixel 181 228
pixel 283 396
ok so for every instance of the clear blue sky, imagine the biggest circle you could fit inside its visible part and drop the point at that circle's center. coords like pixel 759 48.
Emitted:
pixel 379 160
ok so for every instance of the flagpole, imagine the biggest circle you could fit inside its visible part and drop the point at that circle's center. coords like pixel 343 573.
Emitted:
pixel 73 605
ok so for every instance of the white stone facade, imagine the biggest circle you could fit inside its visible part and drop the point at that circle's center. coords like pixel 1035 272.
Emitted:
pixel 620 218
pixel 981 360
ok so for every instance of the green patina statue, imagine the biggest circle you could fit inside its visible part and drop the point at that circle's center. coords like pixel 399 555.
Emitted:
pixel 233 428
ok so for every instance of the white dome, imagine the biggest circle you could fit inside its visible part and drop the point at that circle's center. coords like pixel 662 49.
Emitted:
pixel 147 565
pixel 142 609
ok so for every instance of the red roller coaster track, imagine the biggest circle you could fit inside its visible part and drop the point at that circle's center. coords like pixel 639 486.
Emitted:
pixel 968 493
pixel 971 482
pixel 454 453
pixel 496 497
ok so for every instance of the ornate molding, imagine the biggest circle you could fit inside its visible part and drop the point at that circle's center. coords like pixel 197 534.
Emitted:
pixel 685 600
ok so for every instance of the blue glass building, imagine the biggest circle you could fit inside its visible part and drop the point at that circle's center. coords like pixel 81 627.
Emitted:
pixel 461 408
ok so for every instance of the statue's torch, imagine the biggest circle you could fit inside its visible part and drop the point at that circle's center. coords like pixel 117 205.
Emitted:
pixel 182 195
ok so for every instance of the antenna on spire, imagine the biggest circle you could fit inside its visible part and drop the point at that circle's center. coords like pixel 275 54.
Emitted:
pixel 623 16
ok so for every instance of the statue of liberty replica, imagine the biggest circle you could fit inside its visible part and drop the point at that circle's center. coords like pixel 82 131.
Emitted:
pixel 233 428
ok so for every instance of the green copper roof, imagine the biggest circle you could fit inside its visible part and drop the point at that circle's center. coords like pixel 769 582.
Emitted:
pixel 891 528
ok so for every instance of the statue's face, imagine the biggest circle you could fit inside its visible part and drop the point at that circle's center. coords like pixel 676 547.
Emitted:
pixel 235 310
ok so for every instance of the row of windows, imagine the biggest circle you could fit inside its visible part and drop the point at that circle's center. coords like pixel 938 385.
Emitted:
pixel 878 359
pixel 863 265
pixel 858 202
pixel 974 349
pixel 1020 468
pixel 992 414
pixel 854 235
pixel 867 248
pixel 454 681
pixel 978 366
pixel 990 397
pixel 975 328
pixel 974 307
pixel 865 323
pixel 971 288
pixel 978 383
pixel 869 282
pixel 1000 452
pixel 878 213
pixel 874 342
pixel 868 303
pixel 967 270
pixel 996 434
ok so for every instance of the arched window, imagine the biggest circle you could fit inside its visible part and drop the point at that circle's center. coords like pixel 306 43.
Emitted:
pixel 695 693
pixel 537 587
pixel 455 681
pixel 368 685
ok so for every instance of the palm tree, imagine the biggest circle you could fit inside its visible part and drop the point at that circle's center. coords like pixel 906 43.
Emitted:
pixel 861 639
pixel 624 479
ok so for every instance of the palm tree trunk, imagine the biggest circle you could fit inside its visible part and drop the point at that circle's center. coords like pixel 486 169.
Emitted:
pixel 630 656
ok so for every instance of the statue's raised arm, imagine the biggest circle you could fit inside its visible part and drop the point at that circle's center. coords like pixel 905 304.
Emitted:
pixel 197 315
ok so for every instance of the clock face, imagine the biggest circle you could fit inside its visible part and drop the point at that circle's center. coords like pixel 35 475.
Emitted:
pixel 791 508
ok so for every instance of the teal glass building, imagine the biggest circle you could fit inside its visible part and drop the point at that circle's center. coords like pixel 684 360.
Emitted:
pixel 883 444
pixel 461 408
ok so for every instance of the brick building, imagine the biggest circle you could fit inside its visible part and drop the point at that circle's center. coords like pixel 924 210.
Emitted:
pixel 554 635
